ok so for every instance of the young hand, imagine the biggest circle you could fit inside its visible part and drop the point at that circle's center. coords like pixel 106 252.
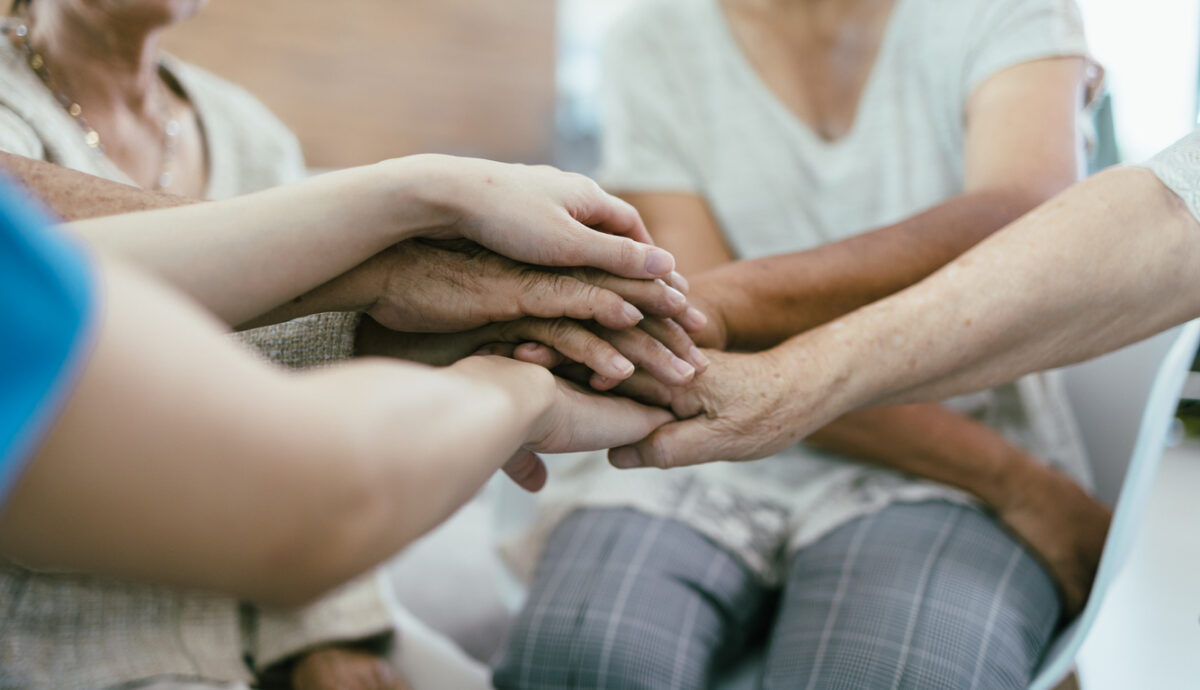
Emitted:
pixel 540 215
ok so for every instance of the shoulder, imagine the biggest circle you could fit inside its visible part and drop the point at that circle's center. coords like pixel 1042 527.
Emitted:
pixel 968 41
pixel 237 123
pixel 971 26
pixel 997 10
pixel 217 94
pixel 659 26
pixel 22 101
pixel 663 44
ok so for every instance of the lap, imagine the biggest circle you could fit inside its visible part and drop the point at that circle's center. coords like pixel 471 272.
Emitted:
pixel 925 595
pixel 626 600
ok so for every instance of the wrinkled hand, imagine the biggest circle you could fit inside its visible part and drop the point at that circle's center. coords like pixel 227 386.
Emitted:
pixel 660 347
pixel 543 216
pixel 744 407
pixel 705 320
pixel 431 286
pixel 338 668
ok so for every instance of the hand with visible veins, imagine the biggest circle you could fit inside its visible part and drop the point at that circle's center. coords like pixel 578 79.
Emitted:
pixel 442 287
pixel 659 347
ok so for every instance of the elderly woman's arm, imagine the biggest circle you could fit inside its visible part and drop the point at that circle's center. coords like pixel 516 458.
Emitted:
pixel 1108 262
pixel 74 195
pixel 178 459
pixel 1022 147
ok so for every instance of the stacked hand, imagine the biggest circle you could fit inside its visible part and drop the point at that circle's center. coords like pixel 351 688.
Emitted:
pixel 437 302
pixel 544 267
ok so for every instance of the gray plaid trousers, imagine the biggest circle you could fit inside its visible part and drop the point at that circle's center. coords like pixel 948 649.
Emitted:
pixel 923 596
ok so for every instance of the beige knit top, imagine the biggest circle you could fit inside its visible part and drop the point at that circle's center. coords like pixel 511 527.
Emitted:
pixel 71 632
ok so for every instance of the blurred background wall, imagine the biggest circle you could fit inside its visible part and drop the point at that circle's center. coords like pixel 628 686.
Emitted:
pixel 362 80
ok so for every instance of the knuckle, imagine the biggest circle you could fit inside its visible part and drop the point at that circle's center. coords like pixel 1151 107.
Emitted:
pixel 558 331
pixel 629 253
pixel 657 453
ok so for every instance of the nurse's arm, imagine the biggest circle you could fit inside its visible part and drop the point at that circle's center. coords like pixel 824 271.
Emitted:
pixel 180 459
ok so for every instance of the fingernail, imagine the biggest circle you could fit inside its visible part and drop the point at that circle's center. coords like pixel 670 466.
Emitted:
pixel 625 458
pixel 698 357
pixel 675 297
pixel 633 312
pixel 696 317
pixel 680 282
pixel 683 367
pixel 659 261
pixel 622 365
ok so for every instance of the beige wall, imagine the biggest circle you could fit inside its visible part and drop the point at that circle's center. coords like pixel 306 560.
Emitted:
pixel 361 80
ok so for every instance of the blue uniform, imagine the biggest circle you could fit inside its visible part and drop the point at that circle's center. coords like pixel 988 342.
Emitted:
pixel 46 316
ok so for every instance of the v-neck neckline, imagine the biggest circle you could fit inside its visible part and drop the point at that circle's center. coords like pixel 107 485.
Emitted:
pixel 174 70
pixel 758 83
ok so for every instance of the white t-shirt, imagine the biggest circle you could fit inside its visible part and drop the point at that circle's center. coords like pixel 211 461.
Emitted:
pixel 1178 166
pixel 685 111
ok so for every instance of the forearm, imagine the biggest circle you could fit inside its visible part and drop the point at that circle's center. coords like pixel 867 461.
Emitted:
pixel 76 196
pixel 353 291
pixel 763 302
pixel 929 441
pixel 1107 263
pixel 244 256
pixel 252 482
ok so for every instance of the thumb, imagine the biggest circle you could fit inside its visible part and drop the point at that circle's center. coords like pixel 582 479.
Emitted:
pixel 678 444
pixel 527 470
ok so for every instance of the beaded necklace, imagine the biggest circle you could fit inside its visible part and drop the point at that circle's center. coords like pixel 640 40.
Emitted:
pixel 18 33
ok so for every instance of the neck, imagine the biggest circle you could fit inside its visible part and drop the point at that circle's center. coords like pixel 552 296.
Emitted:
pixel 824 7
pixel 99 58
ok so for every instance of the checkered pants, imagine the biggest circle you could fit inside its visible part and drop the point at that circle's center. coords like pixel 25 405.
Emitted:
pixel 924 596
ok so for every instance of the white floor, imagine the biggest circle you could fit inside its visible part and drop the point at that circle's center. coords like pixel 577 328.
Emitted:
pixel 1148 633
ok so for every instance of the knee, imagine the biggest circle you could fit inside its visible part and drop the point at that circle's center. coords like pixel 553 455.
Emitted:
pixel 591 649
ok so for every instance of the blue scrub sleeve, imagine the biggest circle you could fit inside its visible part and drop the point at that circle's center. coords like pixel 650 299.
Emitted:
pixel 46 315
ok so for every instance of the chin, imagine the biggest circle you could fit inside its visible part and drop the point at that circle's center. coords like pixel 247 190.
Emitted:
pixel 156 11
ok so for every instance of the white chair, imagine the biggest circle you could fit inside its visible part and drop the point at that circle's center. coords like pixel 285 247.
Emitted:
pixel 1125 403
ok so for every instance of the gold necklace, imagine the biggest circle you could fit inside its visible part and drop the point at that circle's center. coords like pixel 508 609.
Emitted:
pixel 19 35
